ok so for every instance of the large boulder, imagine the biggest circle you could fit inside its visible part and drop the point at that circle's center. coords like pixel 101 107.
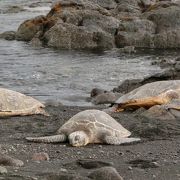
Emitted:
pixel 91 19
pixel 28 29
pixel 69 36
pixel 165 18
pixel 135 32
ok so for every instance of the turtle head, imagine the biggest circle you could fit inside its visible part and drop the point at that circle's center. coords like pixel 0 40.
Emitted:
pixel 78 138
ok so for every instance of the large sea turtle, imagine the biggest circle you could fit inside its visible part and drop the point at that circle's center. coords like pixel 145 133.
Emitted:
pixel 89 126
pixel 13 103
pixel 148 95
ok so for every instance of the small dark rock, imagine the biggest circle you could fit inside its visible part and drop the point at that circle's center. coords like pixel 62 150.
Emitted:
pixel 8 35
pixel 91 164
pixel 3 170
pixel 144 163
pixel 97 91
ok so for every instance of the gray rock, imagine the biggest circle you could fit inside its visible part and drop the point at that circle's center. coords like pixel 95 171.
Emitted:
pixel 135 32
pixel 27 30
pixel 105 24
pixel 165 18
pixel 8 35
pixel 137 39
pixel 128 85
pixel 101 96
pixel 140 163
pixel 137 25
pixel 69 36
pixel 3 170
pixel 107 4
pixel 96 20
pixel 106 98
pixel 92 164
pixel 105 173
pixel 168 39
pixel 6 160
pixel 126 8
pixel 97 91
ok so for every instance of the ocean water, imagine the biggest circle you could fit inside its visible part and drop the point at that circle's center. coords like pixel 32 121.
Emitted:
pixel 59 75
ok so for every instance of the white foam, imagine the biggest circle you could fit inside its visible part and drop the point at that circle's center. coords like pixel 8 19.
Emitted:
pixel 42 8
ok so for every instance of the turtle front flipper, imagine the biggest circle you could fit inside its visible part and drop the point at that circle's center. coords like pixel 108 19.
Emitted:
pixel 48 139
pixel 145 102
pixel 148 102
pixel 117 140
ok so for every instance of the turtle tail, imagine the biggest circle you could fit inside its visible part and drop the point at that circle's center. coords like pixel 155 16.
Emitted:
pixel 48 139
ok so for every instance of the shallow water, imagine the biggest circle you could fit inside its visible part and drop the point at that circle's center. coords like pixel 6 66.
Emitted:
pixel 63 76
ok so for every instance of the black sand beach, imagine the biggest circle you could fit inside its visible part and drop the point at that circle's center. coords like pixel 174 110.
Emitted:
pixel 157 156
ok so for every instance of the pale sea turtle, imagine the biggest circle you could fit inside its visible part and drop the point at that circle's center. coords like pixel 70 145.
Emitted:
pixel 148 95
pixel 89 126
pixel 13 103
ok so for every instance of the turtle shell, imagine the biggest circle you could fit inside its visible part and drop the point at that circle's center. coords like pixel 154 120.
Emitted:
pixel 96 122
pixel 149 90
pixel 15 103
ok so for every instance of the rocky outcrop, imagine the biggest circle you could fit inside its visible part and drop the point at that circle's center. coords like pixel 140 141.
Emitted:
pixel 105 24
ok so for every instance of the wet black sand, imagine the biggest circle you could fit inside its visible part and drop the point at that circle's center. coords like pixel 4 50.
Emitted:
pixel 156 157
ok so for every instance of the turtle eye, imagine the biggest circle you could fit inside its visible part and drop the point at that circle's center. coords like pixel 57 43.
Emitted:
pixel 77 138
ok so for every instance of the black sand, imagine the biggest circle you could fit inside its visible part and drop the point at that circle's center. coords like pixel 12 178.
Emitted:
pixel 156 157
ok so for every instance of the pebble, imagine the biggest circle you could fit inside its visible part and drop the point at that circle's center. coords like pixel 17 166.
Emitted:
pixel 63 170
pixel 3 170
pixel 155 164
pixel 92 164
pixel 79 152
pixel 42 156
pixel 120 153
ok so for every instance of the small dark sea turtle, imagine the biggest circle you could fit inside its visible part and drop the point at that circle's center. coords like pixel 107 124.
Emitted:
pixel 13 103
pixel 148 95
pixel 89 126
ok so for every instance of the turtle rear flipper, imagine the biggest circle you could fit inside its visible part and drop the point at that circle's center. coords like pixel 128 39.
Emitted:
pixel 117 140
pixel 48 139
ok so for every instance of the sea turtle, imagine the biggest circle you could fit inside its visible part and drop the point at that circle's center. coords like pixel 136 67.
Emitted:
pixel 13 103
pixel 148 95
pixel 89 126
